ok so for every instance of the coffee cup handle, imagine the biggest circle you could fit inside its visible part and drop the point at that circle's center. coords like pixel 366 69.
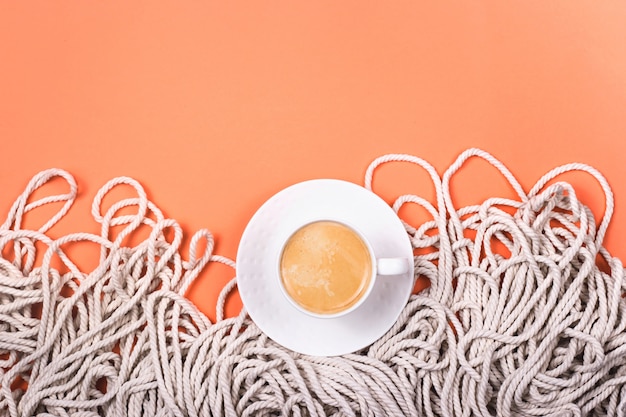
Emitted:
pixel 392 266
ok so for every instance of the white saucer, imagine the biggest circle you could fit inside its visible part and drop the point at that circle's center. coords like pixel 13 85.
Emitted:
pixel 259 249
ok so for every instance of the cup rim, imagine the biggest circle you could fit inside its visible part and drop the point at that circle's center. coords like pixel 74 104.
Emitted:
pixel 366 293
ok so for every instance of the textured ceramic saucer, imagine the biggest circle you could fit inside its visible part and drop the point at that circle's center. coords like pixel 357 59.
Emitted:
pixel 260 246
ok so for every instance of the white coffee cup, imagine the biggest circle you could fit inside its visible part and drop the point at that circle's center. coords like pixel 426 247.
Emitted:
pixel 327 268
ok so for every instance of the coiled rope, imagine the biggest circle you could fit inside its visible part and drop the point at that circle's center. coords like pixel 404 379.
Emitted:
pixel 519 319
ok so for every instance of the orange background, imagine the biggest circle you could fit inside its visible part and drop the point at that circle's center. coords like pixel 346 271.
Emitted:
pixel 215 106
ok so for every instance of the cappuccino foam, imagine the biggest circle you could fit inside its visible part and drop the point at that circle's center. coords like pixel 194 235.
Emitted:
pixel 326 267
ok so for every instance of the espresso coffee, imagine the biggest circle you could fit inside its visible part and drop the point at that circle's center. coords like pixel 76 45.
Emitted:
pixel 325 267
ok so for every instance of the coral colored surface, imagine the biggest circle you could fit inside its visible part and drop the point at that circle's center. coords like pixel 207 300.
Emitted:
pixel 215 106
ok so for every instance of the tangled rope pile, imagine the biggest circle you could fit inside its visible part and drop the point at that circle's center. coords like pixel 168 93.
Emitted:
pixel 519 319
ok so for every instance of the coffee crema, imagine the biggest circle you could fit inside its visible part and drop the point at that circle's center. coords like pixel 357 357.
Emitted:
pixel 325 267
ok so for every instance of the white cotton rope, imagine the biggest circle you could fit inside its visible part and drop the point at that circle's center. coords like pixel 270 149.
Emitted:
pixel 519 319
